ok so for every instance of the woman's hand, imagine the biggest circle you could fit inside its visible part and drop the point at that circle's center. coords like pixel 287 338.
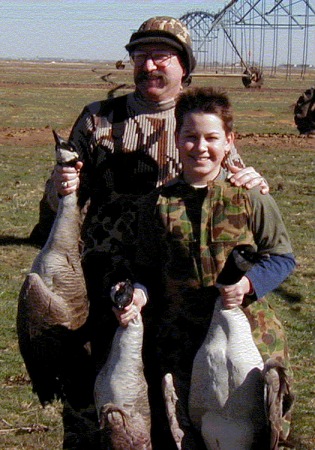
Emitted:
pixel 248 177
pixel 233 295
pixel 131 311
pixel 66 178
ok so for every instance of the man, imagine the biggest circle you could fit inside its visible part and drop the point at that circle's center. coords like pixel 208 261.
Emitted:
pixel 127 148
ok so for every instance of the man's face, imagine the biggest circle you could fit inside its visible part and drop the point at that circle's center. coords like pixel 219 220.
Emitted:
pixel 158 71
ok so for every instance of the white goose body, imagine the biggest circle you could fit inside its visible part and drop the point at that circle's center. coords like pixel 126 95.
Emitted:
pixel 226 400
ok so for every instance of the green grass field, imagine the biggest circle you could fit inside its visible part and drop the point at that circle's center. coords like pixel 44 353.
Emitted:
pixel 38 97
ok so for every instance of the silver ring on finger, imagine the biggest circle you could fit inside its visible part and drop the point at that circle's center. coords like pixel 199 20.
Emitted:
pixel 64 184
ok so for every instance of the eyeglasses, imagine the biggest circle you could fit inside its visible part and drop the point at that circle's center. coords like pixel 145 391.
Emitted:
pixel 159 57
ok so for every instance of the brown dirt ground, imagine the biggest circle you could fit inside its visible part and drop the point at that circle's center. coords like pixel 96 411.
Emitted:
pixel 26 137
pixel 33 137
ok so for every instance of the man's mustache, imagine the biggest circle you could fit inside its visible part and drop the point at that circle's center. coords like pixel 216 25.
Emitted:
pixel 145 76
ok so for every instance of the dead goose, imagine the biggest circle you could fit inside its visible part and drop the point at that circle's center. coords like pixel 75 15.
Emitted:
pixel 235 400
pixel 226 392
pixel 52 305
pixel 120 391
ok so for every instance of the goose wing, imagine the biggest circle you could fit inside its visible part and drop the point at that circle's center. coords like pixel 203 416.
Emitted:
pixel 278 399
pixel 55 356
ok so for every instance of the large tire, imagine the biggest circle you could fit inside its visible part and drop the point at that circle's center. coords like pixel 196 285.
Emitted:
pixel 304 113
pixel 120 65
pixel 253 78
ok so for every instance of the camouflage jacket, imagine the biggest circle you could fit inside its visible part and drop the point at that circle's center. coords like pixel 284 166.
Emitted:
pixel 170 241
pixel 196 258
pixel 179 263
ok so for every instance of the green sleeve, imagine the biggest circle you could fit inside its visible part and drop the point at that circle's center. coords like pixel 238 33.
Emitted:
pixel 267 224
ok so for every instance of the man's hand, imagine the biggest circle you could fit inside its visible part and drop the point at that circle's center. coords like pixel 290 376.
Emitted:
pixel 233 295
pixel 131 311
pixel 66 179
pixel 248 177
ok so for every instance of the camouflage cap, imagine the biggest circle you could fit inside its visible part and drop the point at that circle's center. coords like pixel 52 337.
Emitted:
pixel 166 30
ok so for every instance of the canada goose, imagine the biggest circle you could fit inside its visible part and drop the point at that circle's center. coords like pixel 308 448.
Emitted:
pixel 236 401
pixel 120 391
pixel 53 306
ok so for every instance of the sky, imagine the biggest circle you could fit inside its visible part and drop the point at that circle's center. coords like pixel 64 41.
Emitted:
pixel 83 29
pixel 86 29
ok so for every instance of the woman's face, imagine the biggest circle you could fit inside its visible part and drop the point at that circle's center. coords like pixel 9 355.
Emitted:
pixel 202 144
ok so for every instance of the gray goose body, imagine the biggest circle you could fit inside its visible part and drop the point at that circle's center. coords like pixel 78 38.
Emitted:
pixel 236 400
pixel 227 390
pixel 52 305
pixel 120 392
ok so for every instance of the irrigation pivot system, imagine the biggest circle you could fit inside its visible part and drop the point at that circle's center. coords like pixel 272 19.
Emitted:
pixel 249 37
